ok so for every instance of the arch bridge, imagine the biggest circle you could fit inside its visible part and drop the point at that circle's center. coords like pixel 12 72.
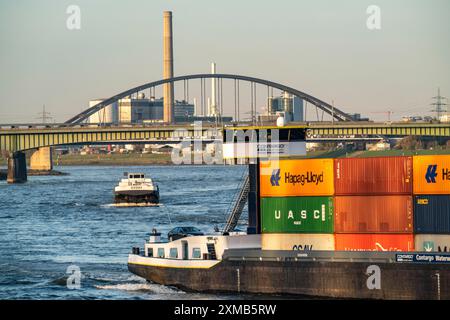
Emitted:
pixel 325 107
pixel 16 138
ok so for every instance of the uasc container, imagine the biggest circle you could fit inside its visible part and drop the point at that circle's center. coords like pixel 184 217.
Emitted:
pixel 373 176
pixel 302 177
pixel 297 242
pixel 432 214
pixel 297 215
pixel 373 214
pixel 432 242
pixel 432 174
pixel 374 242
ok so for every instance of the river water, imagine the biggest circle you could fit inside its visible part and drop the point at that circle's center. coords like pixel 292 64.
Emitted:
pixel 52 223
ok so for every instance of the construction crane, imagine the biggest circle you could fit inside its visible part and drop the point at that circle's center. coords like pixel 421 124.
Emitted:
pixel 388 113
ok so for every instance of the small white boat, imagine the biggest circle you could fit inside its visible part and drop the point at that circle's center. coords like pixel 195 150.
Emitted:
pixel 136 189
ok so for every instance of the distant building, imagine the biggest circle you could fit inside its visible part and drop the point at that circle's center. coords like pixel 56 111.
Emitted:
pixel 163 149
pixel 379 146
pixel 135 111
pixel 131 110
pixel 445 118
pixel 358 117
pixel 417 119
pixel 183 111
pixel 291 107
pixel 107 115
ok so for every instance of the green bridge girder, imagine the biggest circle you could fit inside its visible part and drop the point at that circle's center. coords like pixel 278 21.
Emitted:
pixel 388 130
pixel 15 139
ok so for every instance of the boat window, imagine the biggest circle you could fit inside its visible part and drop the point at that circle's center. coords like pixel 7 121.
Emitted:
pixel 149 252
pixel 161 253
pixel 174 253
pixel 196 253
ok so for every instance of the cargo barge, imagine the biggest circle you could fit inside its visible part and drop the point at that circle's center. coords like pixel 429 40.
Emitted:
pixel 374 228
pixel 136 189
pixel 236 264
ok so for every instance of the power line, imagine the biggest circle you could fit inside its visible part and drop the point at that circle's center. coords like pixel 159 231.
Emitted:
pixel 44 116
pixel 439 104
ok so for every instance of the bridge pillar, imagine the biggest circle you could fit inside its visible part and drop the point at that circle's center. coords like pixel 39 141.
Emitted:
pixel 17 168
pixel 41 159
pixel 254 217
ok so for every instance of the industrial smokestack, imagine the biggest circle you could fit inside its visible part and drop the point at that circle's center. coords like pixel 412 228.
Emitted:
pixel 168 66
pixel 213 105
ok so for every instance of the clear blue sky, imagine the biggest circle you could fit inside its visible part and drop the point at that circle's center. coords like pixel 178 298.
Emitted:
pixel 321 47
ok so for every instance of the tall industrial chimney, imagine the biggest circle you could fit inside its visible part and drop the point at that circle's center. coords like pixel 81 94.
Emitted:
pixel 213 105
pixel 168 67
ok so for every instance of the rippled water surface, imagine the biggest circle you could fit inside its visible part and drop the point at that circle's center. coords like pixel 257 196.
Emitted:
pixel 51 223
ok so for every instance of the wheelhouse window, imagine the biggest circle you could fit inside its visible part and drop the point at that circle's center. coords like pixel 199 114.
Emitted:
pixel 196 253
pixel 161 253
pixel 173 253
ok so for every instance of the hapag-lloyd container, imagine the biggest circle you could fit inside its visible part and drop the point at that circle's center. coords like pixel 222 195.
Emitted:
pixel 373 214
pixel 432 242
pixel 432 174
pixel 374 242
pixel 300 177
pixel 432 214
pixel 297 215
pixel 300 242
pixel 373 176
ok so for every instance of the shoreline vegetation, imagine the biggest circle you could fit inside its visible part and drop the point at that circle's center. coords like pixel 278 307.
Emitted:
pixel 137 159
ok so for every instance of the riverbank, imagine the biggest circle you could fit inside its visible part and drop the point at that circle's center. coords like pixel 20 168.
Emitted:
pixel 130 159
pixel 4 173
pixel 137 159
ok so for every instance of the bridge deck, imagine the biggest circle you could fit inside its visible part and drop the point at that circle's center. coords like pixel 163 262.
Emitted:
pixel 19 138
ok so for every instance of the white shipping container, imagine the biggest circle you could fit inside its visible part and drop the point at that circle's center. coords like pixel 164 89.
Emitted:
pixel 301 242
pixel 432 242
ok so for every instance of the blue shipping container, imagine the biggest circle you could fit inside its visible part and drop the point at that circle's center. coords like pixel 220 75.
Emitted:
pixel 432 214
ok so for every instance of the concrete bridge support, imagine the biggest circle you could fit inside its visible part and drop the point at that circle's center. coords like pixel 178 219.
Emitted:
pixel 41 159
pixel 17 168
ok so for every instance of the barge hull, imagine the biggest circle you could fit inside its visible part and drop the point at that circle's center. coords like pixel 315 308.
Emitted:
pixel 312 278
pixel 133 198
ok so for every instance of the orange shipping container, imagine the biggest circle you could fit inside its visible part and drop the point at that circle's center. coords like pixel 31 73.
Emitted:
pixel 431 174
pixel 373 214
pixel 373 176
pixel 374 242
pixel 302 242
pixel 302 177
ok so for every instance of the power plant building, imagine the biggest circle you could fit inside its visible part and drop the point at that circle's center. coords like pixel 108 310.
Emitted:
pixel 291 107
pixel 140 110
pixel 107 115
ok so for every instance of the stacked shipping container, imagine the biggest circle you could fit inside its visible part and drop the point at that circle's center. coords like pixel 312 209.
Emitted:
pixel 432 203
pixel 373 203
pixel 297 204
pixel 373 207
